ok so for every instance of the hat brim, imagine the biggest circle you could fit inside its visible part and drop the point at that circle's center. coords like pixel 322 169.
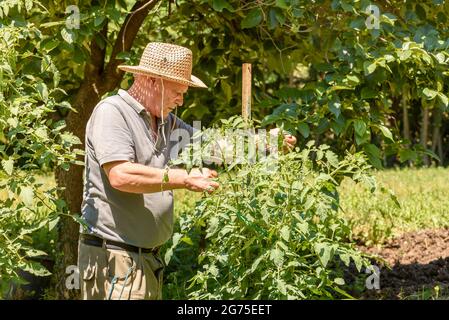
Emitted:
pixel 193 82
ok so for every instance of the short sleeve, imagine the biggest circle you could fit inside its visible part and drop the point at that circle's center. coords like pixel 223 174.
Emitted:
pixel 109 135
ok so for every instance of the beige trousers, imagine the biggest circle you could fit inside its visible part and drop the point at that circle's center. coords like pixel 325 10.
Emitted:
pixel 118 274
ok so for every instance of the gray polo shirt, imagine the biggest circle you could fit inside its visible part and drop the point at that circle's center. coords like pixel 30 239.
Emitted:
pixel 119 129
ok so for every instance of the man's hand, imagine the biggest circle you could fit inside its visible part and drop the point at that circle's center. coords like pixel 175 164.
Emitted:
pixel 201 181
pixel 289 140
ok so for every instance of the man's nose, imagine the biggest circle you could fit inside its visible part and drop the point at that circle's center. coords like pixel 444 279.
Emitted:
pixel 179 100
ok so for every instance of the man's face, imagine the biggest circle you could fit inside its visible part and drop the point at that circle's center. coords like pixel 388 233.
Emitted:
pixel 173 95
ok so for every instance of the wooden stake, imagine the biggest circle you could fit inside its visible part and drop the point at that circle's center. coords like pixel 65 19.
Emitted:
pixel 246 91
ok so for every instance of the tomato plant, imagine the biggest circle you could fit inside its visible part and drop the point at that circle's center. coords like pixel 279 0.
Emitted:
pixel 272 230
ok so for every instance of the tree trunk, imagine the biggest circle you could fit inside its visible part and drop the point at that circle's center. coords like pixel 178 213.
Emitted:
pixel 405 118
pixel 406 121
pixel 72 181
pixel 436 135
pixel 98 80
pixel 425 131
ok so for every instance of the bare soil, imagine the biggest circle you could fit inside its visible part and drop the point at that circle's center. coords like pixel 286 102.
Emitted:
pixel 414 264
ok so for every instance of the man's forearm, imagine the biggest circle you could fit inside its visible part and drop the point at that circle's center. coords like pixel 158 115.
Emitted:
pixel 138 178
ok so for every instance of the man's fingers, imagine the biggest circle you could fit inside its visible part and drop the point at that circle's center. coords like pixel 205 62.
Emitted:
pixel 212 186
pixel 213 174
pixel 289 139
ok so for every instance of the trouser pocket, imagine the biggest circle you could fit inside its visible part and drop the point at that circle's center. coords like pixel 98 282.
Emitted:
pixel 154 273
pixel 91 261
pixel 124 279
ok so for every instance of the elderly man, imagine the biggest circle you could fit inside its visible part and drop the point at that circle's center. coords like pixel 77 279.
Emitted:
pixel 128 200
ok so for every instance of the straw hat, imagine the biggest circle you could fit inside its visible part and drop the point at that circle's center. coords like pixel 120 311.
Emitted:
pixel 166 61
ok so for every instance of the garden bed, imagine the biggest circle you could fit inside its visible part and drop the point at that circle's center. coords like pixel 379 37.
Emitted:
pixel 419 262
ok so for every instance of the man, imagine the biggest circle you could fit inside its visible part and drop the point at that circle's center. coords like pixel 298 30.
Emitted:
pixel 128 200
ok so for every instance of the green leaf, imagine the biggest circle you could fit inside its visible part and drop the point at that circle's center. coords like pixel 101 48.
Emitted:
pixel 227 89
pixel 369 67
pixel 323 250
pixel 35 253
pixel 43 91
pixel 281 4
pixel 219 5
pixel 386 132
pixel 358 262
pixel 168 255
pixel 407 154
pixel 360 127
pixel 252 19
pixel 332 158
pixel 368 93
pixel 41 132
pixel 374 155
pixel 79 220
pixel 339 281
pixel 35 268
pixel 353 78
pixel 285 233
pixel 187 240
pixel 346 258
pixel 256 263
pixel 176 237
pixel 281 286
pixel 304 129
pixel 99 20
pixel 373 150
pixel 346 6
pixel 273 22
pixel 277 256
pixel 338 87
pixel 50 45
pixel 52 224
pixel 68 35
pixel 276 17
pixel 70 138
pixel 404 54
pixel 28 5
pixel 429 93
pixel 303 228
pixel 335 106
pixel 344 293
pixel 27 196
pixel 443 98
pixel 8 166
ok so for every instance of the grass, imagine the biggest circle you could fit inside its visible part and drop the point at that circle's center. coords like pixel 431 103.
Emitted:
pixel 422 194
pixel 435 293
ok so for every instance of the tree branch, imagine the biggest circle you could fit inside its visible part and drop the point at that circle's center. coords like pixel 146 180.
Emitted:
pixel 124 41
pixel 94 67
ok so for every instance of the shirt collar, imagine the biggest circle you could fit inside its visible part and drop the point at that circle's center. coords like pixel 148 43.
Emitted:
pixel 136 105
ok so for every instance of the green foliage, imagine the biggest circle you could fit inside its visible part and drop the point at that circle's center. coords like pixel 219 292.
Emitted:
pixel 272 230
pixel 29 140
pixel 320 72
